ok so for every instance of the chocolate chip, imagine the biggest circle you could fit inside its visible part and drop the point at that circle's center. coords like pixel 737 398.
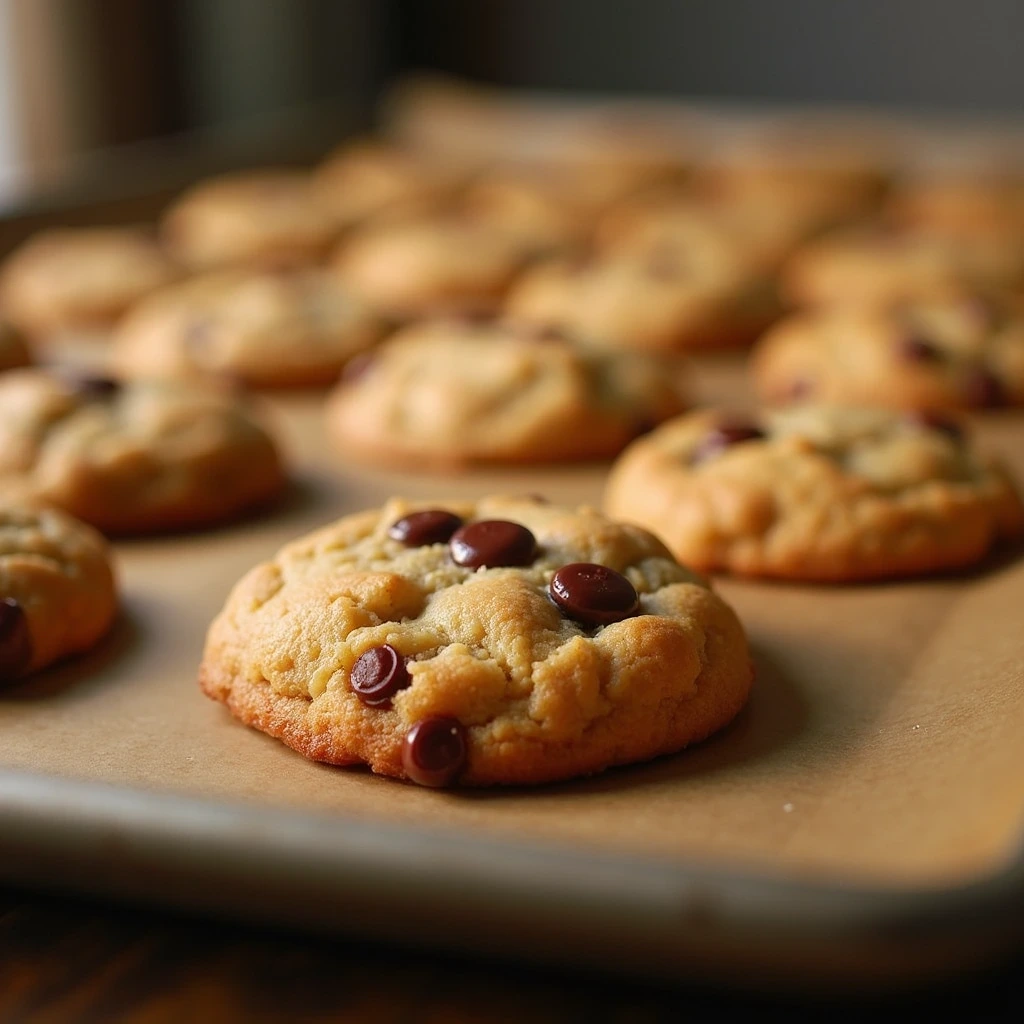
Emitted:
pixel 434 751
pixel 431 526
pixel 92 387
pixel 930 420
pixel 593 594
pixel 15 640
pixel 725 435
pixel 493 542
pixel 378 675
pixel 983 389
pixel 916 349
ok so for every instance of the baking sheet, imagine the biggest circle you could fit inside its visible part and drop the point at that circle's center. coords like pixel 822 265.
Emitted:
pixel 879 755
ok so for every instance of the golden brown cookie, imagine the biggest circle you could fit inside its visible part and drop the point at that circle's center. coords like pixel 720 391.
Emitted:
pixel 264 329
pixel 267 218
pixel 881 266
pixel 425 266
pixel 961 204
pixel 134 458
pixel 446 394
pixel 502 642
pixel 703 291
pixel 816 493
pixel 71 279
pixel 369 178
pixel 956 350
pixel 57 591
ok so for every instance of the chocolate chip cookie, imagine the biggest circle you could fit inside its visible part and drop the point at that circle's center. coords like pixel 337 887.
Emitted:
pixel 57 591
pixel 267 330
pixel 881 265
pixel 133 458
pixel 821 493
pixel 426 266
pixel 688 295
pixel 506 641
pixel 959 350
pixel 266 218
pixel 71 279
pixel 448 394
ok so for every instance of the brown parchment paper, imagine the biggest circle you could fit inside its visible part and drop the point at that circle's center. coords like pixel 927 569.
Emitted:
pixel 882 743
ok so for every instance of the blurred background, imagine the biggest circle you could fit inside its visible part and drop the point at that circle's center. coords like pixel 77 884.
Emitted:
pixel 82 79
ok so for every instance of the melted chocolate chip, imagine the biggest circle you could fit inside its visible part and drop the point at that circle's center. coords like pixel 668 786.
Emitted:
pixel 378 675
pixel 15 640
pixel 724 436
pixel 937 421
pixel 593 594
pixel 431 526
pixel 984 390
pixel 915 349
pixel 434 751
pixel 92 387
pixel 493 542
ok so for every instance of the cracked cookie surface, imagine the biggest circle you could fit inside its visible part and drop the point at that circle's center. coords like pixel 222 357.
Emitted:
pixel 447 394
pixel 136 457
pixel 816 493
pixel 534 694
pixel 57 590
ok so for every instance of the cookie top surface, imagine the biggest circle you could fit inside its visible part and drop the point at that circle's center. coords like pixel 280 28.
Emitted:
pixel 429 265
pixel 877 265
pixel 816 493
pixel 266 329
pixel 966 204
pixel 265 218
pixel 551 642
pixel 959 350
pixel 445 394
pixel 13 349
pixel 363 179
pixel 69 278
pixel 679 297
pixel 57 590
pixel 135 457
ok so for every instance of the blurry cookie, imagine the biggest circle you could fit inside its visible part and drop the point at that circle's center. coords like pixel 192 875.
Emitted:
pixel 502 642
pixel 427 266
pixel 364 179
pixel 699 293
pixel 949 351
pixel 133 458
pixel 57 592
pixel 13 350
pixel 263 329
pixel 70 279
pixel 823 493
pixel 881 266
pixel 960 204
pixel 445 395
pixel 266 218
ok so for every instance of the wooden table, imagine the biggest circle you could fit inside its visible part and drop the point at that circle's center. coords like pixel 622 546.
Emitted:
pixel 67 960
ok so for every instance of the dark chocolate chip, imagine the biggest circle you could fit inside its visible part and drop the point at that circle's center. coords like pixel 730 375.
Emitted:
pixel 378 675
pixel 431 526
pixel 493 542
pixel 937 421
pixel 434 751
pixel 593 594
pixel 724 436
pixel 984 390
pixel 915 349
pixel 15 640
pixel 92 387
